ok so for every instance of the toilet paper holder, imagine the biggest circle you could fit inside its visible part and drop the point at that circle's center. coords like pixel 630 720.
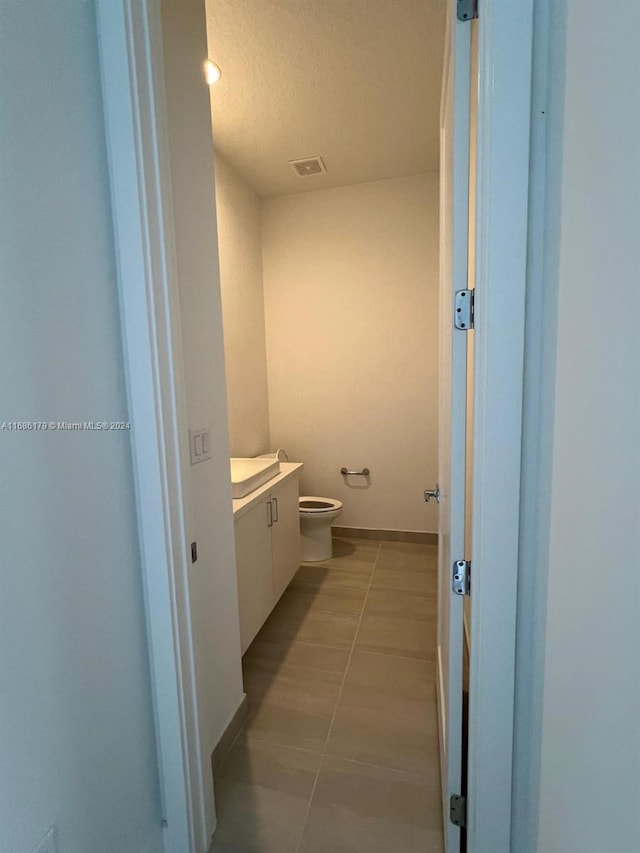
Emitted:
pixel 347 473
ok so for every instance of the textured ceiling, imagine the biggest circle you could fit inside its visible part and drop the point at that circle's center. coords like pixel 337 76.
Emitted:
pixel 354 81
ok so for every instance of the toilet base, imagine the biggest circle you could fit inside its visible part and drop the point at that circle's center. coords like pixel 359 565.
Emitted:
pixel 316 517
pixel 316 542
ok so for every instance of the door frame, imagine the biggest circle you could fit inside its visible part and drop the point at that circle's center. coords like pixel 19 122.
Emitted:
pixel 505 42
pixel 455 104
pixel 134 100
pixel 130 40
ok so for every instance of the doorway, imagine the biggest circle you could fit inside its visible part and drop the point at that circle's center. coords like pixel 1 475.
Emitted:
pixel 505 38
pixel 329 282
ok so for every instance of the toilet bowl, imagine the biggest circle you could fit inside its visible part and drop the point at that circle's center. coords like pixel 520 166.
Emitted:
pixel 316 517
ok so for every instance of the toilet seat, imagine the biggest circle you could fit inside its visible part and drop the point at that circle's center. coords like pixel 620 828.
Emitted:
pixel 312 505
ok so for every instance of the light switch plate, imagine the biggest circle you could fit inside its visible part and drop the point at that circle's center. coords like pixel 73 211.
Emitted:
pixel 49 843
pixel 199 445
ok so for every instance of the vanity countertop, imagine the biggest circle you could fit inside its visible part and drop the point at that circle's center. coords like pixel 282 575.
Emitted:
pixel 287 470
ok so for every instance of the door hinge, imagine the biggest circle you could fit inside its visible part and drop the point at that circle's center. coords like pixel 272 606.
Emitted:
pixel 463 309
pixel 461 577
pixel 467 10
pixel 458 810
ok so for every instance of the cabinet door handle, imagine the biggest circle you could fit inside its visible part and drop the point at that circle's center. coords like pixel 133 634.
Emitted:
pixel 269 514
pixel 275 509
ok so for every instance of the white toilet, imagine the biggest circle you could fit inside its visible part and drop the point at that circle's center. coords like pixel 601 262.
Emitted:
pixel 316 517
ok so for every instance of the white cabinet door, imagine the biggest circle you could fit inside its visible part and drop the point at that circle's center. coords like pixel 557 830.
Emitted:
pixel 253 566
pixel 285 535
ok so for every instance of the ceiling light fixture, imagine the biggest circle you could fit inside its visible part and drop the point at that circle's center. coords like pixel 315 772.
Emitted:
pixel 212 72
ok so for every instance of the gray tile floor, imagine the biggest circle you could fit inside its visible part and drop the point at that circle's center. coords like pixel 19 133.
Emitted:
pixel 340 750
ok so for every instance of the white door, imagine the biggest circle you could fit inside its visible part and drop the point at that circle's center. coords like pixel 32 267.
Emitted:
pixel 454 218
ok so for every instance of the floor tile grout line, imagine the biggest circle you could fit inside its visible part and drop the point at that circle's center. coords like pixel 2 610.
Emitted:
pixel 244 726
pixel 351 651
pixel 361 650
pixel 335 708
pixel 296 642
pixel 406 773
pixel 310 800
pixel 293 641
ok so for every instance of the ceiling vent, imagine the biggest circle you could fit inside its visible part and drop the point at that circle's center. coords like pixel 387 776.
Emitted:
pixel 307 167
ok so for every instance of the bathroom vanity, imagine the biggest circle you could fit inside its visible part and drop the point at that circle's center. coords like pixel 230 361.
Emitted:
pixel 267 534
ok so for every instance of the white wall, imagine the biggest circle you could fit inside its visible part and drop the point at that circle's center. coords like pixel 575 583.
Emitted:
pixel 214 597
pixel 240 250
pixel 76 736
pixel 588 467
pixel 351 291
pixel 590 771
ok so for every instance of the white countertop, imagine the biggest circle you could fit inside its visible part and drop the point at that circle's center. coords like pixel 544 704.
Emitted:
pixel 287 470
